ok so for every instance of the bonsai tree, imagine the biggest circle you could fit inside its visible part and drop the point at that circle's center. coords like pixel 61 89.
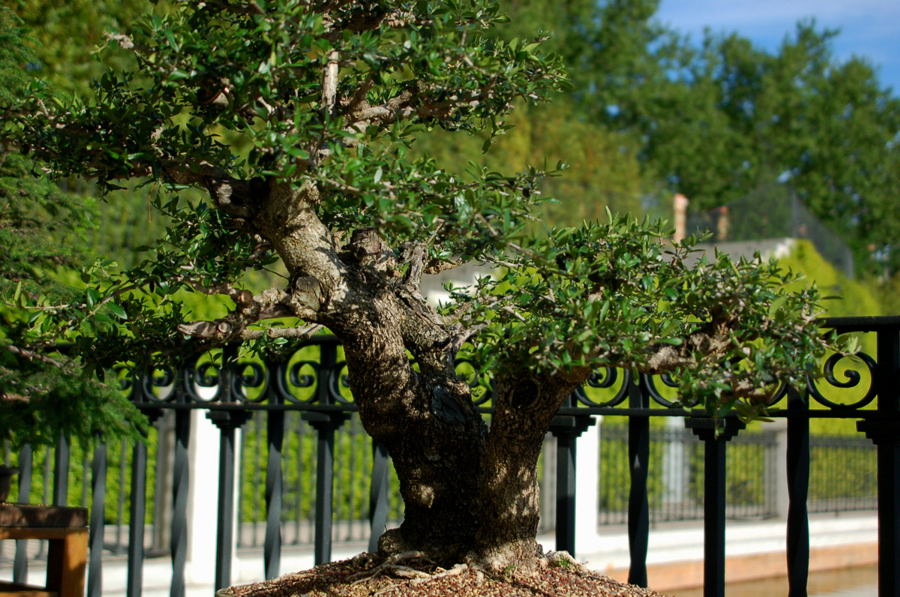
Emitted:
pixel 283 131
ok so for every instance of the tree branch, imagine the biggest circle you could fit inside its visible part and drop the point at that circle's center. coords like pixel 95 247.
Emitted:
pixel 292 333
pixel 270 304
pixel 330 82
pixel 33 356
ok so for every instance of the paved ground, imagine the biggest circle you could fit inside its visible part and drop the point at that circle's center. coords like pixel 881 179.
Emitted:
pixel 866 591
pixel 675 552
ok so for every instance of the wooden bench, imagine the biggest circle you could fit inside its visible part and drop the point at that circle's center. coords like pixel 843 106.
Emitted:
pixel 66 530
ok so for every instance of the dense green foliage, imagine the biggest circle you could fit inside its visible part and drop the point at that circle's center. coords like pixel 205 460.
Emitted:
pixel 545 306
pixel 44 389
pixel 231 100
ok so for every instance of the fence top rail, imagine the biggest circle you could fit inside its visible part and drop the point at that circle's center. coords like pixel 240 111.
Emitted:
pixel 861 323
pixel 845 388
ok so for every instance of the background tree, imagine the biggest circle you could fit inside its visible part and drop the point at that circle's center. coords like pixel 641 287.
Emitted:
pixel 601 171
pixel 602 168
pixel 74 68
pixel 721 119
pixel 44 391
pixel 295 119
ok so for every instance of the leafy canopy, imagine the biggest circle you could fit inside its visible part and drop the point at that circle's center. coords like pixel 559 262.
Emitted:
pixel 241 100
pixel 620 294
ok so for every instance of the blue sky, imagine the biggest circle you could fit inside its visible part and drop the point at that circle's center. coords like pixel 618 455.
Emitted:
pixel 869 28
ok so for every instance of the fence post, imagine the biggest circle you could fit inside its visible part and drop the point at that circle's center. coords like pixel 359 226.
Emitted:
pixel 638 505
pixel 796 460
pixel 566 429
pixel 325 425
pixel 274 475
pixel 714 433
pixel 20 562
pixel 228 421
pixel 138 509
pixel 378 494
pixel 98 493
pixel 885 433
pixel 61 471
pixel 178 535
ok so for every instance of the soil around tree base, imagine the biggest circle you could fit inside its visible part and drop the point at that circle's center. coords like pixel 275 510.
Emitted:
pixel 409 575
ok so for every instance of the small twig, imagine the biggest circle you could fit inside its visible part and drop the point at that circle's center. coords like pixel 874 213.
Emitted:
pixel 330 81
pixel 464 336
pixel 13 398
pixel 509 309
pixel 32 355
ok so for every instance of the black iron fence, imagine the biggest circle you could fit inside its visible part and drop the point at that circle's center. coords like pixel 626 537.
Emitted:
pixel 300 481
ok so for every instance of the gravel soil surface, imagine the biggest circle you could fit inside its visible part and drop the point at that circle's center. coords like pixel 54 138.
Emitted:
pixel 408 575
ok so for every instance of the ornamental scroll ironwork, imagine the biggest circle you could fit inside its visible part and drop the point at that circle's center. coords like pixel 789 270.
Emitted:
pixel 315 374
pixel 604 381
pixel 307 377
pixel 853 379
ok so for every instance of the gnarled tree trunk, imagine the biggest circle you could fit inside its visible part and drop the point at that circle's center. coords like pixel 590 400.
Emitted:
pixel 469 493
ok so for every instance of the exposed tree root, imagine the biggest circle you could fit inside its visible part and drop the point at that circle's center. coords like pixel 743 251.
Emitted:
pixel 393 566
pixel 409 565
pixel 456 570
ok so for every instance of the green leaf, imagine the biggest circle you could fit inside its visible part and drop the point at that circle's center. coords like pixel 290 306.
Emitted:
pixel 91 296
pixel 118 311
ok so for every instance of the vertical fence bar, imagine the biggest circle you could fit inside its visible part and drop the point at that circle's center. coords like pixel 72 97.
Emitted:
pixel 98 506
pixel 256 472
pixel 324 427
pixel 325 424
pixel 120 496
pixel 181 473
pixel 378 495
pixel 86 465
pixel 714 433
pixel 164 476
pixel 798 491
pixel 566 429
pixel 638 505
pixel 136 520
pixel 714 518
pixel 885 433
pixel 20 562
pixel 565 492
pixel 227 422
pixel 274 478
pixel 61 459
pixel 324 491
pixel 889 462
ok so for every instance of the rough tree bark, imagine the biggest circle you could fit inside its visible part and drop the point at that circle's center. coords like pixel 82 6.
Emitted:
pixel 469 493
